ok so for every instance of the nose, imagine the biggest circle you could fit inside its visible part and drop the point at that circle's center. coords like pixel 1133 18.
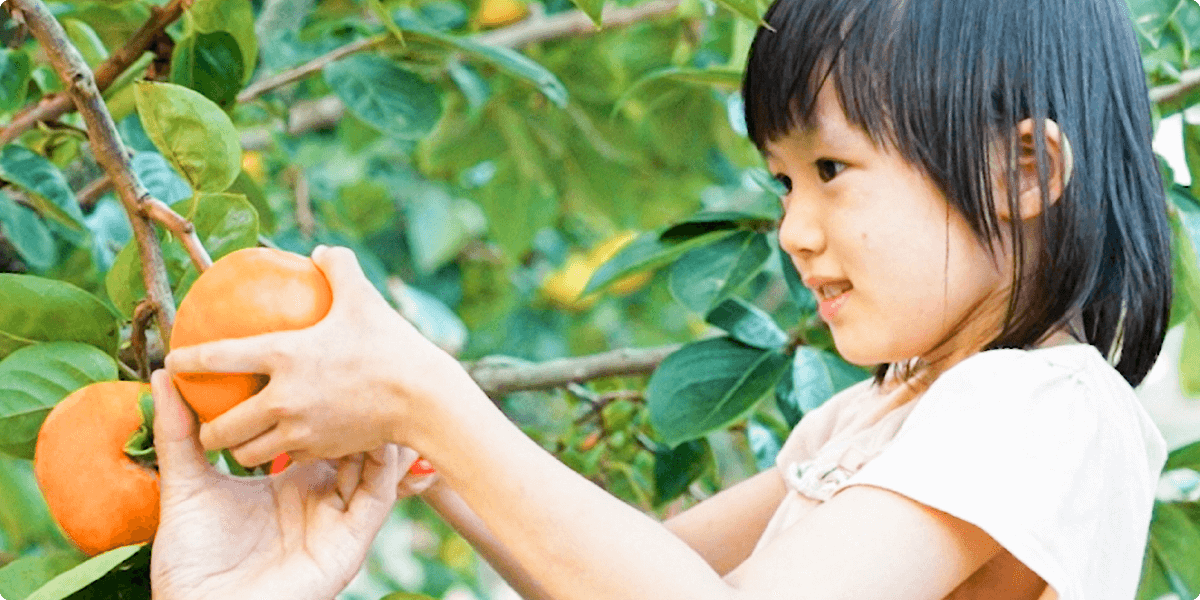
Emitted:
pixel 800 232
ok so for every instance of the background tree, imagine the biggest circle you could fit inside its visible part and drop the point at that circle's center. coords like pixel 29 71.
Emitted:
pixel 560 194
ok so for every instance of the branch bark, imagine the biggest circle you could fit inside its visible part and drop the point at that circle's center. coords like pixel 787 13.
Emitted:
pixel 82 90
pixel 1166 94
pixel 55 106
pixel 498 376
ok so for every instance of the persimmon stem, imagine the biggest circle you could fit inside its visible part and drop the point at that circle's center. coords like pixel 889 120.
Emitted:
pixel 82 89
pixel 141 319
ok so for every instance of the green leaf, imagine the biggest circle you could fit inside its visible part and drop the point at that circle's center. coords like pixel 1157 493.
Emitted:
pixel 192 133
pixel 160 179
pixel 648 251
pixel 707 275
pixel 35 309
pixel 816 375
pixel 21 577
pixel 35 378
pixel 224 223
pixel 86 41
pixel 15 68
pixel 25 520
pixel 439 226
pixel 100 575
pixel 27 234
pixel 43 183
pixel 1187 457
pixel 383 15
pixel 210 63
pixel 505 59
pixel 1175 539
pixel 676 468
pixel 591 8
pixel 748 9
pixel 801 295
pixel 389 98
pixel 235 17
pixel 704 222
pixel 114 22
pixel 1186 300
pixel 367 205
pixel 247 187
pixel 764 444
pixel 748 324
pixel 1191 150
pixel 726 78
pixel 708 385
pixel 406 596
pixel 1154 582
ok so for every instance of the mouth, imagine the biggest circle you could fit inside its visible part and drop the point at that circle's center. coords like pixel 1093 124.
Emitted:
pixel 829 291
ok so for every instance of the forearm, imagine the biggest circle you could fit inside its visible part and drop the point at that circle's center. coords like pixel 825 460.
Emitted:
pixel 451 507
pixel 574 539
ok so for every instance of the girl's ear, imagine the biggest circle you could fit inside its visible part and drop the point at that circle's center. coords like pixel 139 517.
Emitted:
pixel 1059 164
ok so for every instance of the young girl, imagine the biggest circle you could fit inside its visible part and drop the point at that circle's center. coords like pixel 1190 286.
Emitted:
pixel 972 197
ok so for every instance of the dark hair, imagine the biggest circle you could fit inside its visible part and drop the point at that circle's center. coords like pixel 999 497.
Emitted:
pixel 942 81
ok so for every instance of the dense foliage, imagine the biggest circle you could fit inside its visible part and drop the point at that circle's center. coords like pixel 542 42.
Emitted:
pixel 523 185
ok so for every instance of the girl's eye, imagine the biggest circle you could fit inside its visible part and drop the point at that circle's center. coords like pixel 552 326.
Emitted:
pixel 828 169
pixel 785 181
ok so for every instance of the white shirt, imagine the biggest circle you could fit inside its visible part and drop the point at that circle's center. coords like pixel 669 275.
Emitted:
pixel 1048 451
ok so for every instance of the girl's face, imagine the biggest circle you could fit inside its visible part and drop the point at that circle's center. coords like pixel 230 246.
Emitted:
pixel 895 269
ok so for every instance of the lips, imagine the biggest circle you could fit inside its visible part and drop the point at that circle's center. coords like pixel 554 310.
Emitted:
pixel 829 307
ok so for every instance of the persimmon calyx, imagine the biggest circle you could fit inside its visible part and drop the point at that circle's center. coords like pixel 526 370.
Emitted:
pixel 140 445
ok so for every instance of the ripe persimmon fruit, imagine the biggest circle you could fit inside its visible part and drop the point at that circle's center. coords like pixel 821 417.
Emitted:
pixel 247 292
pixel 100 496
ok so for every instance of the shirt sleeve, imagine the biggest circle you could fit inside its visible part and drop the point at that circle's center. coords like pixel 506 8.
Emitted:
pixel 1054 458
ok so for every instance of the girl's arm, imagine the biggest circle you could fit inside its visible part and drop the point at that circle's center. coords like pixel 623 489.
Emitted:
pixel 363 377
pixel 722 529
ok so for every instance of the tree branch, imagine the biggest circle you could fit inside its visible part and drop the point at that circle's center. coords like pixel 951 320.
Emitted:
pixel 106 145
pixel 93 192
pixel 498 376
pixel 537 28
pixel 182 228
pixel 1165 94
pixel 55 106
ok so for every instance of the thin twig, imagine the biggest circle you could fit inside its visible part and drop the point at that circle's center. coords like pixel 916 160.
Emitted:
pixel 54 106
pixel 263 86
pixel 1166 94
pixel 183 229
pixel 500 379
pixel 535 29
pixel 93 192
pixel 129 372
pixel 304 213
pixel 141 320
pixel 106 145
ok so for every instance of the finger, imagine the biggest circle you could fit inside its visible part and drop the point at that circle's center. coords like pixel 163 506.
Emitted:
pixel 179 453
pixel 376 492
pixel 255 354
pixel 240 424
pixel 407 456
pixel 346 278
pixel 261 449
pixel 348 475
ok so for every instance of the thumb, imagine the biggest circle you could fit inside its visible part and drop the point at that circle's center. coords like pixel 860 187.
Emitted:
pixel 345 275
pixel 180 456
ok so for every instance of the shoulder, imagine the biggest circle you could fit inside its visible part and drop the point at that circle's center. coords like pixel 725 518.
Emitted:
pixel 1041 449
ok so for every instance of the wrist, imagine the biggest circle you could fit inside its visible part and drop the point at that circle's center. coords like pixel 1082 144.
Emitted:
pixel 426 398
